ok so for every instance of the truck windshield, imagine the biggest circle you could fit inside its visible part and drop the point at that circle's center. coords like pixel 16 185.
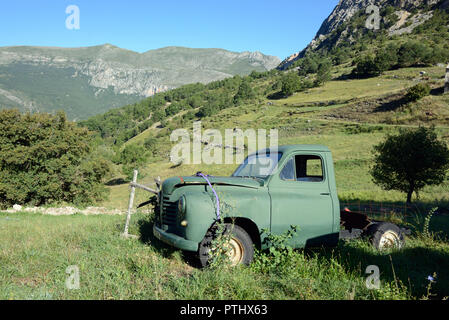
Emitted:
pixel 258 165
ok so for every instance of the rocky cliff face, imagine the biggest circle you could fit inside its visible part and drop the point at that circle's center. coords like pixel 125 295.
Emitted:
pixel 108 75
pixel 142 74
pixel 346 9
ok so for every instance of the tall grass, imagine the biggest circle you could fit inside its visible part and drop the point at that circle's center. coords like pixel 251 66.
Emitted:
pixel 36 250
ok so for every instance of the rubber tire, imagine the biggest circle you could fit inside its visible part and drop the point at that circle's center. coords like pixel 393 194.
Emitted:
pixel 377 230
pixel 236 232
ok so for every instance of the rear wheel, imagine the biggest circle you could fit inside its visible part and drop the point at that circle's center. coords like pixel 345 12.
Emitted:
pixel 386 235
pixel 238 246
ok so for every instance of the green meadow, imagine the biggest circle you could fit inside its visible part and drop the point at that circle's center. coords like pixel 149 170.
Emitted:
pixel 36 250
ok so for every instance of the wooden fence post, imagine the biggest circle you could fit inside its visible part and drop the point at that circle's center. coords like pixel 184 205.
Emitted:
pixel 130 204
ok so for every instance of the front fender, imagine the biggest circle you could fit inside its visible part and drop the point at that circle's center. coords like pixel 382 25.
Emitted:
pixel 200 215
pixel 251 204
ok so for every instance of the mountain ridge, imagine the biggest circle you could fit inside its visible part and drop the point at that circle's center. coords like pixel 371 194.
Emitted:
pixel 347 9
pixel 111 76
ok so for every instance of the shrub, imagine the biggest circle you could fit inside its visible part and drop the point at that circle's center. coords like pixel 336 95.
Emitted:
pixel 173 109
pixel 324 72
pixel 132 157
pixel 367 67
pixel 279 254
pixel 387 58
pixel 309 64
pixel 417 92
pixel 150 144
pixel 413 53
pixel 245 92
pixel 158 115
pixel 290 83
pixel 207 111
pixel 46 159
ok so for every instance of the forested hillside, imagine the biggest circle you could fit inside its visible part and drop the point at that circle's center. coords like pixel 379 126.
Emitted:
pixel 368 54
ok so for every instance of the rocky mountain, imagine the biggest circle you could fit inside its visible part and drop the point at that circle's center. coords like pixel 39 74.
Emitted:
pixel 91 80
pixel 407 15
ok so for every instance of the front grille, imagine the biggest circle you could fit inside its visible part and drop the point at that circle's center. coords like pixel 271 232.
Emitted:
pixel 169 210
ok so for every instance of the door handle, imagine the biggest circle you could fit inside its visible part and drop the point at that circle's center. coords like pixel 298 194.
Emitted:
pixel 325 194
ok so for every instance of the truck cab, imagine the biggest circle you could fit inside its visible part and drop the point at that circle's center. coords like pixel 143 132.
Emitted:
pixel 272 190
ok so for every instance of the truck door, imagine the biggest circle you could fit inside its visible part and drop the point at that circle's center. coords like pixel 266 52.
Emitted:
pixel 301 197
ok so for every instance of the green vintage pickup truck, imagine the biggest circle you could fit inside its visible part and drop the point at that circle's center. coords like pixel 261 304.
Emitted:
pixel 273 190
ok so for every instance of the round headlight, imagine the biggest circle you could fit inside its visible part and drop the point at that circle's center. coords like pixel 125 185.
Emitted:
pixel 182 205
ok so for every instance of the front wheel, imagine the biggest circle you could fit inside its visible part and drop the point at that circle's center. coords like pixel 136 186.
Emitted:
pixel 238 245
pixel 386 235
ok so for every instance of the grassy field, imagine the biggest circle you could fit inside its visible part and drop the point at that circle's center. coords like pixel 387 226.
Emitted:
pixel 345 115
pixel 352 153
pixel 36 250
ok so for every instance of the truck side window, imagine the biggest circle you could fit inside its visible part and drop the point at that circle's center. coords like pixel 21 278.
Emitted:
pixel 288 173
pixel 309 168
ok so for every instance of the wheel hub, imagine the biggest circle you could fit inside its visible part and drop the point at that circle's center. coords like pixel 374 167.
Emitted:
pixel 389 240
pixel 235 251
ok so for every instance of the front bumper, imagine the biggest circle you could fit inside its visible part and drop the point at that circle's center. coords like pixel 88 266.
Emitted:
pixel 174 240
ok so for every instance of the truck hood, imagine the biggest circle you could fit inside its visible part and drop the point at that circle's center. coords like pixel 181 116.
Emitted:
pixel 171 183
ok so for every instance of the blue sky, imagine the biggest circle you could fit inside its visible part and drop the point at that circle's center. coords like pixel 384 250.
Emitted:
pixel 279 28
